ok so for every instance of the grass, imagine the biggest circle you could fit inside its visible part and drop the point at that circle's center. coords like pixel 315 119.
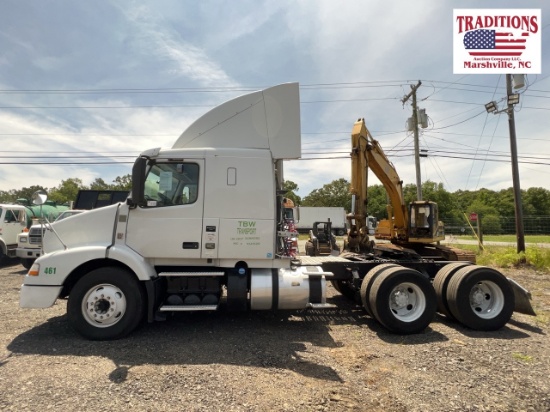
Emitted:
pixel 507 257
pixel 522 357
pixel 537 239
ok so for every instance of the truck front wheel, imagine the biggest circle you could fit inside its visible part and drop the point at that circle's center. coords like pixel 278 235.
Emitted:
pixel 106 304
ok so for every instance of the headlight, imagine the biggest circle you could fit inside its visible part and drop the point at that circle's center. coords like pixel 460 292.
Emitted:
pixel 23 239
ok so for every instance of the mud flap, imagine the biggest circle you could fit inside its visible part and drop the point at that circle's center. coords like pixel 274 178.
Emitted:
pixel 523 299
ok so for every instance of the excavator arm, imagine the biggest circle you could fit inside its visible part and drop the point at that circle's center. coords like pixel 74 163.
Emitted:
pixel 368 154
pixel 419 224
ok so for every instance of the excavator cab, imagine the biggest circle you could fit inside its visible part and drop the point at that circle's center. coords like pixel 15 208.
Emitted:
pixel 424 224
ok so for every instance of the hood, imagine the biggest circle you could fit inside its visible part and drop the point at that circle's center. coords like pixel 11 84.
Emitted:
pixel 94 227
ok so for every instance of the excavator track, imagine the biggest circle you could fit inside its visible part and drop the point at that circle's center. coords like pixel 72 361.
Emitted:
pixel 451 253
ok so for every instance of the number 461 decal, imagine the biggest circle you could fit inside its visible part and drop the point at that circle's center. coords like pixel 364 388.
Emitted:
pixel 49 271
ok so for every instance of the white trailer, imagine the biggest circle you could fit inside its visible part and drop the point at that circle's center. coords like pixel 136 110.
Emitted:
pixel 305 217
pixel 204 229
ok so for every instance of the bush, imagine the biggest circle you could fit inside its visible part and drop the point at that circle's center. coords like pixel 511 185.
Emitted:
pixel 508 257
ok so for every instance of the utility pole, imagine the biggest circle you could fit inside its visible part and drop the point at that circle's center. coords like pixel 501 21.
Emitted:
pixel 416 144
pixel 520 233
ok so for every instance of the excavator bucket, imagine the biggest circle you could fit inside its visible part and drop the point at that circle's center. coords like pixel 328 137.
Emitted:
pixel 523 299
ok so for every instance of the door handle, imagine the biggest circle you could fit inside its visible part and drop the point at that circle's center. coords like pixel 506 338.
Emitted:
pixel 190 245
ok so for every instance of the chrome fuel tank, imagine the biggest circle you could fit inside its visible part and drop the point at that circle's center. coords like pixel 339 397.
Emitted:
pixel 298 288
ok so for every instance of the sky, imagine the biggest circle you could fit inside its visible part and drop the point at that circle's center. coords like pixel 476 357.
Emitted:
pixel 87 86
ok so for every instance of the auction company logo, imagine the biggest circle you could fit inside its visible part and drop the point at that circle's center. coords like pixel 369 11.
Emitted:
pixel 502 41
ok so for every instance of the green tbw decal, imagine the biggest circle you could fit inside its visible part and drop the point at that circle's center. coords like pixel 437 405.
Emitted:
pixel 246 227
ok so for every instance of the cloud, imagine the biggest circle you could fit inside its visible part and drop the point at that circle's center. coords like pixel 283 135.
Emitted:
pixel 181 59
pixel 353 59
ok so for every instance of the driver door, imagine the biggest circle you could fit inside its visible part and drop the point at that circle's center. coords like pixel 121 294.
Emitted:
pixel 170 225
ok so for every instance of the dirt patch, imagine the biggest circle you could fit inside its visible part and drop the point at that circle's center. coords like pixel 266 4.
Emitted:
pixel 337 359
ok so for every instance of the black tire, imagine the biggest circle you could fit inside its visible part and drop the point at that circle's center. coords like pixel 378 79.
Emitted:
pixel 344 288
pixel 118 304
pixel 310 249
pixel 403 300
pixel 480 298
pixel 368 281
pixel 340 232
pixel 441 282
pixel 27 263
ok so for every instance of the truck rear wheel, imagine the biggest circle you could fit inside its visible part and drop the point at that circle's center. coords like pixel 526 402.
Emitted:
pixel 107 303
pixel 403 300
pixel 441 282
pixel 368 280
pixel 481 298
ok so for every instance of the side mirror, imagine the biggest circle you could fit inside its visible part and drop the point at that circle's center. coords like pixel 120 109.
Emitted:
pixel 137 195
pixel 39 197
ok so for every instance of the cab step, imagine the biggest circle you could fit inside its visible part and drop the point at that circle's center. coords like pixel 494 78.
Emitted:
pixel 186 308
pixel 204 273
pixel 321 306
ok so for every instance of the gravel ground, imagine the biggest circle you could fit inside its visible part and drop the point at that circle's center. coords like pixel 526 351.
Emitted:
pixel 283 361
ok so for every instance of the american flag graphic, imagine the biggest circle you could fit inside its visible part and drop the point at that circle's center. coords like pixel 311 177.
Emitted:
pixel 493 43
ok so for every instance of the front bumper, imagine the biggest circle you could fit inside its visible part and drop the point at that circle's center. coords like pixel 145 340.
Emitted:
pixel 32 296
pixel 27 253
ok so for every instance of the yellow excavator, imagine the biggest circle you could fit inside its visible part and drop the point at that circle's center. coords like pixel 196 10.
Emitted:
pixel 404 277
pixel 414 227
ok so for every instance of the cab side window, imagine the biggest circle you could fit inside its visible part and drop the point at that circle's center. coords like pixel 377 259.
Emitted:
pixel 12 216
pixel 172 183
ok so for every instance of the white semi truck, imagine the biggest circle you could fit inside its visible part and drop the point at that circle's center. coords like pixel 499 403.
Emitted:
pixel 17 218
pixel 184 242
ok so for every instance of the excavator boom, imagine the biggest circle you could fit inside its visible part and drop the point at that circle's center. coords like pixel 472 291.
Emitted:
pixel 368 154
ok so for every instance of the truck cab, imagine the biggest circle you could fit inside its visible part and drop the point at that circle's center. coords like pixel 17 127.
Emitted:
pixel 13 220
pixel 183 240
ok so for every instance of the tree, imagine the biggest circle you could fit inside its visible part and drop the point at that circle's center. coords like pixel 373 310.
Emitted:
pixel 99 184
pixel 435 192
pixel 463 198
pixel 25 193
pixel 334 194
pixel 66 191
pixel 536 201
pixel 377 201
pixel 291 188
pixel 122 183
pixel 503 201
pixel 490 225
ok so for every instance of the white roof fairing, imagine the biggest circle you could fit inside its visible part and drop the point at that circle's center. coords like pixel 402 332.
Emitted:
pixel 266 119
